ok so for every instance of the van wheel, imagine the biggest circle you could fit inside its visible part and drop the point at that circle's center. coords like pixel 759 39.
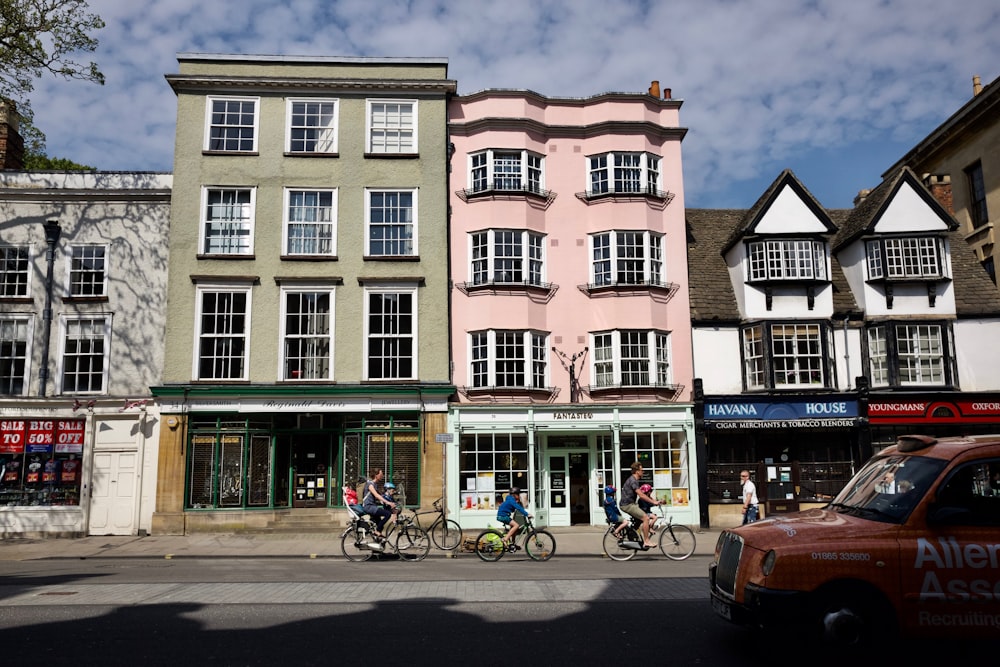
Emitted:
pixel 853 616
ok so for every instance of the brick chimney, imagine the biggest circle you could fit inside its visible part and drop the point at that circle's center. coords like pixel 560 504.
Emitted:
pixel 654 89
pixel 940 188
pixel 11 143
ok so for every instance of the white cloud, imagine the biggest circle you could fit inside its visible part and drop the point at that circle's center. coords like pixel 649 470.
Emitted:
pixel 766 84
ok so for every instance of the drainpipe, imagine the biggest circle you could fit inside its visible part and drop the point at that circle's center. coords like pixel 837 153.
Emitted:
pixel 51 238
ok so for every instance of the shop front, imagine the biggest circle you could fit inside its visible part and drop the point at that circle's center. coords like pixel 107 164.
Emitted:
pixel 251 460
pixel 931 413
pixel 563 457
pixel 800 451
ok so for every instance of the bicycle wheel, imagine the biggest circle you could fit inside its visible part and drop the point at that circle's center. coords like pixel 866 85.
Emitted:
pixel 540 545
pixel 613 547
pixel 353 546
pixel 489 545
pixel 412 543
pixel 677 542
pixel 447 534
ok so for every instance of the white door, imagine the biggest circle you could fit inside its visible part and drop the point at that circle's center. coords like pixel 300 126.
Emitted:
pixel 112 494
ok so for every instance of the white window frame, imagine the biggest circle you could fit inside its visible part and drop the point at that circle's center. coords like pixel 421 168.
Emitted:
pixel 73 273
pixel 66 323
pixel 534 358
pixel 786 259
pixel 21 268
pixel 610 258
pixel 210 101
pixel 201 292
pixel 307 375
pixel 22 329
pixel 624 172
pixel 905 257
pixel 486 266
pixel 878 356
pixel 326 137
pixel 372 127
pixel 754 362
pixel 801 355
pixel 482 170
pixel 397 289
pixel 610 366
pixel 411 237
pixel 317 239
pixel 242 237
pixel 924 361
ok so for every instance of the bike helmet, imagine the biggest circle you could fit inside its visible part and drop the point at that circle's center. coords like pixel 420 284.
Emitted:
pixel 390 485
pixel 645 488
pixel 609 490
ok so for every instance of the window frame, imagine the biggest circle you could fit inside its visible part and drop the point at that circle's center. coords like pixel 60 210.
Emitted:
pixel 284 372
pixel 249 222
pixel 978 212
pixel 210 124
pixel 74 272
pixel 889 260
pixel 786 260
pixel 21 284
pixel 413 224
pixel 530 267
pixel 412 335
pixel 203 290
pixel 653 264
pixel 370 126
pixel 287 222
pixel 884 362
pixel 535 363
pixel 66 322
pixel 608 365
pixel 483 178
pixel 290 129
pixel 760 354
pixel 24 324
pixel 609 175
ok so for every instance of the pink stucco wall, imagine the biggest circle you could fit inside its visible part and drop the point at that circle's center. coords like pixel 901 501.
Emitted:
pixel 565 131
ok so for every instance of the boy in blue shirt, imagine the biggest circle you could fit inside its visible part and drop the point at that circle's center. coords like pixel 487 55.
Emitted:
pixel 505 513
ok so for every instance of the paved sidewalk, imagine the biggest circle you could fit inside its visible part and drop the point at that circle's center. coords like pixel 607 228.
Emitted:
pixel 577 541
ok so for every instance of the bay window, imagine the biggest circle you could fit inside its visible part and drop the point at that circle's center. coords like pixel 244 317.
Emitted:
pixel 630 358
pixel 906 354
pixel 626 258
pixel 508 359
pixel 508 257
pixel 787 259
pixel 785 356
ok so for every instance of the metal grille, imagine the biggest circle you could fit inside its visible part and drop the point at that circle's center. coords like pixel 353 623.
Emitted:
pixel 352 459
pixel 259 483
pixel 200 482
pixel 231 483
pixel 729 561
pixel 406 464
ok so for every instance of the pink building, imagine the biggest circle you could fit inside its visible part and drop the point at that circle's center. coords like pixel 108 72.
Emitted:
pixel 571 336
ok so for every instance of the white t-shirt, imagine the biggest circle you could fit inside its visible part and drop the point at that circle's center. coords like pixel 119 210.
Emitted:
pixel 749 488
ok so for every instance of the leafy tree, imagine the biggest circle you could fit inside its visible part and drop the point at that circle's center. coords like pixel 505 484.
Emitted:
pixel 37 37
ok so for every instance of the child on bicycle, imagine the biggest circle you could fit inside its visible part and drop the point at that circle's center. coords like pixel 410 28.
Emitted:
pixel 505 513
pixel 646 501
pixel 351 500
pixel 611 510
pixel 389 493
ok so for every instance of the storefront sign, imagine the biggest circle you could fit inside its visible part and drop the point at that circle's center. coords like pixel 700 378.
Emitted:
pixel 735 415
pixel 901 409
pixel 41 436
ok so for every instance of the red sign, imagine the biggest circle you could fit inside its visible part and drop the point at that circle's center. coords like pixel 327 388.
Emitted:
pixel 913 410
pixel 69 437
pixel 12 436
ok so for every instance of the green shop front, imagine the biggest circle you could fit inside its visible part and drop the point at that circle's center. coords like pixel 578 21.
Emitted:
pixel 252 457
pixel 562 457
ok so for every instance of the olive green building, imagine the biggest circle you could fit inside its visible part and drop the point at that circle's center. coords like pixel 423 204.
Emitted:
pixel 307 322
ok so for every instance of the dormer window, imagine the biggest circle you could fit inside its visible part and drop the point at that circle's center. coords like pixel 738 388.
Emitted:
pixel 786 259
pixel 901 258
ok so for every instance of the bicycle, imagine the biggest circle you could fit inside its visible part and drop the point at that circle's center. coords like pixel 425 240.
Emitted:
pixel 445 533
pixel 404 538
pixel 538 543
pixel 676 541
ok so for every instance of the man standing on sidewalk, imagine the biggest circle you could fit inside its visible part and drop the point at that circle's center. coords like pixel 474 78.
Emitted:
pixel 749 498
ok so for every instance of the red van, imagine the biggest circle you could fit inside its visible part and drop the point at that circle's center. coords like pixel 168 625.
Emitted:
pixel 911 544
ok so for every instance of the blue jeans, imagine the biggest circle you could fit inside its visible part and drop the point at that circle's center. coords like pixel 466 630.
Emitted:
pixel 750 515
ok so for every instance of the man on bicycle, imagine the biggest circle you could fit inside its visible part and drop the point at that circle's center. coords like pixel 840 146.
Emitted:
pixel 630 493
pixel 505 513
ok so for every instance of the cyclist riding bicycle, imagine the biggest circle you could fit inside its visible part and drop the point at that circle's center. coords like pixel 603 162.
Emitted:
pixel 505 513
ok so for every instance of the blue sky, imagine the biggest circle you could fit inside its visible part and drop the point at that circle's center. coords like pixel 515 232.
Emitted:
pixel 835 90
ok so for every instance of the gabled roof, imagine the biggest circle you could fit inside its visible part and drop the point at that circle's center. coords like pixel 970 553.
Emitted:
pixel 869 211
pixel 709 286
pixel 757 212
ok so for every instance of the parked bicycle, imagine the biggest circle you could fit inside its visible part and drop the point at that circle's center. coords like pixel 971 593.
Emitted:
pixel 403 537
pixel 675 540
pixel 445 533
pixel 538 543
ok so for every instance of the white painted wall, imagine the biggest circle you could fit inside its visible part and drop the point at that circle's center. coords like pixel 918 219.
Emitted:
pixel 717 359
pixel 977 352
